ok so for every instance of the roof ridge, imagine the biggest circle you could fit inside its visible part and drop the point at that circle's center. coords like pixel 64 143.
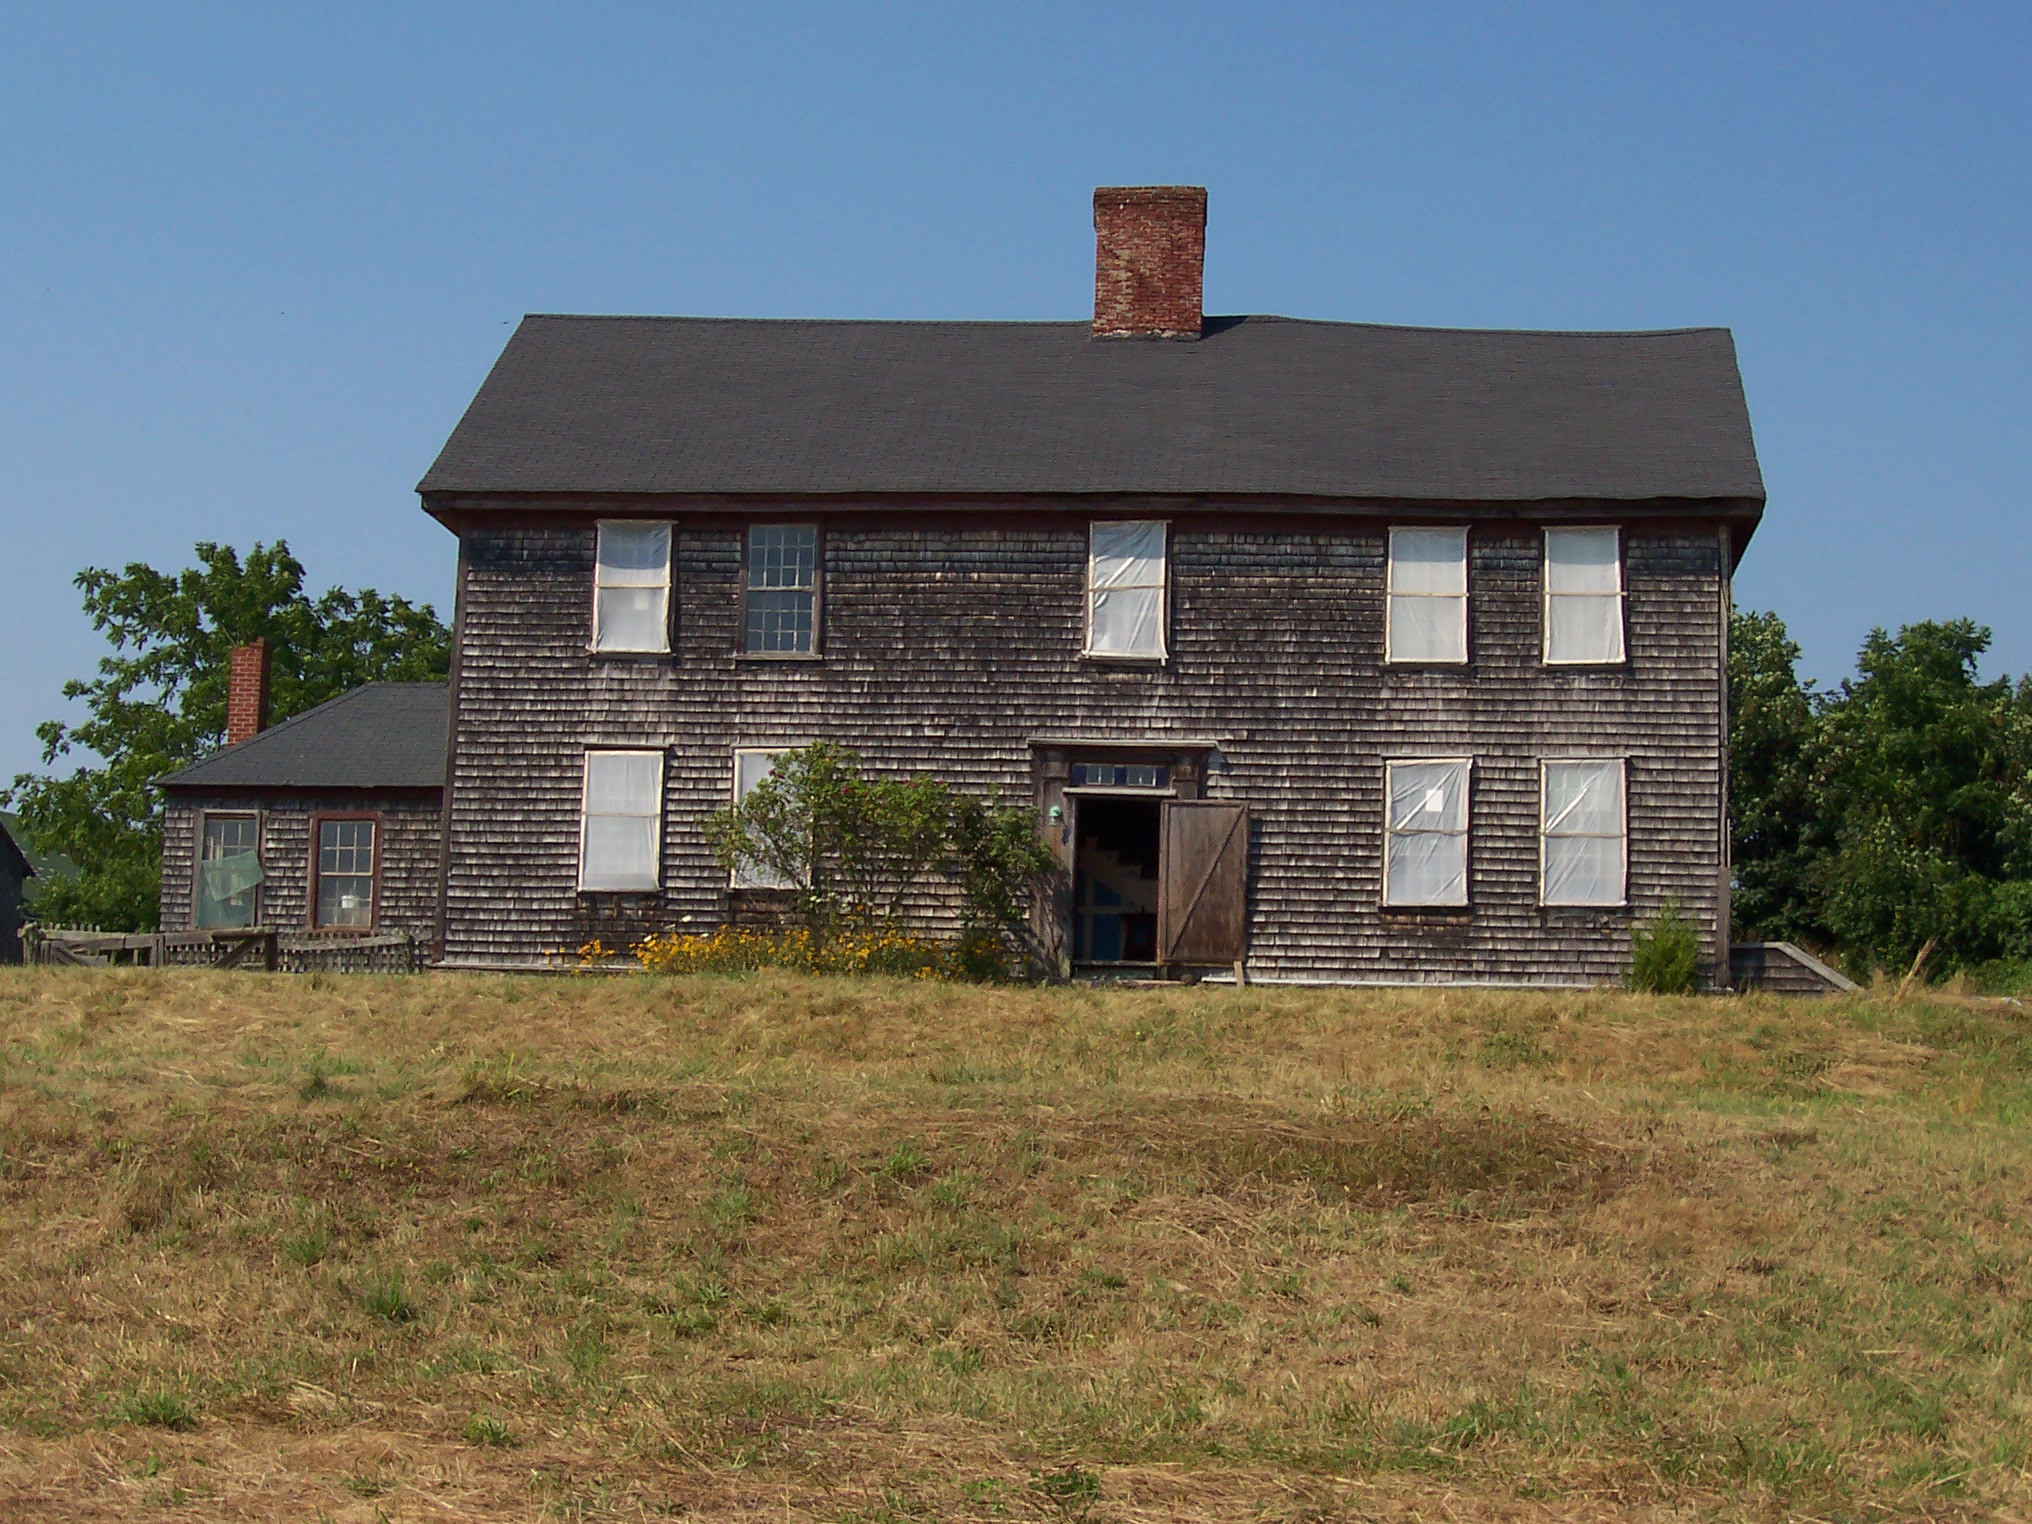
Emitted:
pixel 1227 319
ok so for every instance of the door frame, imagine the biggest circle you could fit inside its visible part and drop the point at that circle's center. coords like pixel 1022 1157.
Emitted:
pixel 1052 758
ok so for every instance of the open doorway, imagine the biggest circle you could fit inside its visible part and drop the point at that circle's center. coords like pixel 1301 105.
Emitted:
pixel 1116 879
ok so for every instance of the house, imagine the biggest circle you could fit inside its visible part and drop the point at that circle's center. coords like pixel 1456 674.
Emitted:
pixel 15 872
pixel 330 822
pixel 1335 651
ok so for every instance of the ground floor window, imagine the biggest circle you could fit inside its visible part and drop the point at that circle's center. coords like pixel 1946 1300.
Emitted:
pixel 1585 834
pixel 621 826
pixel 1425 853
pixel 345 873
pixel 229 871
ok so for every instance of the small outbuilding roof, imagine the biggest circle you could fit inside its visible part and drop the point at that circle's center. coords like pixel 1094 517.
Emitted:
pixel 10 848
pixel 1257 406
pixel 380 736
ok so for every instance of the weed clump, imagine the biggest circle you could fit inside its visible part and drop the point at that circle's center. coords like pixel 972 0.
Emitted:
pixel 387 1297
pixel 160 1409
pixel 1665 955
pixel 489 1433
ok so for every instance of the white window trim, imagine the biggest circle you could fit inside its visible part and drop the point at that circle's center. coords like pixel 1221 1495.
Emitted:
pixel 669 584
pixel 1466 831
pixel 1623 797
pixel 813 652
pixel 1163 652
pixel 1546 595
pixel 585 817
pixel 1389 565
pixel 734 879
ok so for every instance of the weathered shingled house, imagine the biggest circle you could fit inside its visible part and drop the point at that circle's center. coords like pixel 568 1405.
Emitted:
pixel 1360 653
pixel 15 872
pixel 330 822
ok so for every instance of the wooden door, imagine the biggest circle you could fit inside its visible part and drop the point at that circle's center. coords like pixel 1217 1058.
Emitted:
pixel 1202 902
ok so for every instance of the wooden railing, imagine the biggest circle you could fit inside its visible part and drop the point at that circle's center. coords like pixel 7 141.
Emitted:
pixel 253 947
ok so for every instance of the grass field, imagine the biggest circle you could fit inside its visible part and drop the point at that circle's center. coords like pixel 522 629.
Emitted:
pixel 463 1248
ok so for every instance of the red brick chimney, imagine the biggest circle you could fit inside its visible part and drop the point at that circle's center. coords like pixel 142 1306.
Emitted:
pixel 1149 261
pixel 247 692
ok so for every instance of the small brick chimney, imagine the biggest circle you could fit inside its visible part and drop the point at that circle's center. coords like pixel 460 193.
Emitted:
pixel 247 692
pixel 1149 261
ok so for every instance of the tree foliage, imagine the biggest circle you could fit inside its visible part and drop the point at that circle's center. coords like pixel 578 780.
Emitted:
pixel 1890 815
pixel 159 703
pixel 854 848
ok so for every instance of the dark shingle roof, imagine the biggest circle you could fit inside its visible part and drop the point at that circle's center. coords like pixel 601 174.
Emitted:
pixel 1259 405
pixel 381 736
pixel 9 847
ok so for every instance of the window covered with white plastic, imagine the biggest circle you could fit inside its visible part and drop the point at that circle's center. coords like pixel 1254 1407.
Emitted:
pixel 631 587
pixel 782 611
pixel 1428 584
pixel 1425 855
pixel 1125 589
pixel 1583 596
pixel 621 839
pixel 1586 828
pixel 229 871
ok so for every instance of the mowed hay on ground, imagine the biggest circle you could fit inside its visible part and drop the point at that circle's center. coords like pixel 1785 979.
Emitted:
pixel 464 1248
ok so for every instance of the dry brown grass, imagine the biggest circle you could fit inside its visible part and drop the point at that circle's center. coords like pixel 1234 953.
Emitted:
pixel 461 1248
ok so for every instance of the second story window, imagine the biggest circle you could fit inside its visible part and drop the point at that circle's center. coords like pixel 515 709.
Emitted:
pixel 781 617
pixel 631 587
pixel 1583 597
pixel 1428 584
pixel 1126 566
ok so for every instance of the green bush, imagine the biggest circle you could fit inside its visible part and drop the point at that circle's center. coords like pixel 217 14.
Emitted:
pixel 1665 954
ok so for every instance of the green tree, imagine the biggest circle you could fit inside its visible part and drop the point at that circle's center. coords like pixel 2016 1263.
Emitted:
pixel 1776 823
pixel 1928 775
pixel 159 703
pixel 854 847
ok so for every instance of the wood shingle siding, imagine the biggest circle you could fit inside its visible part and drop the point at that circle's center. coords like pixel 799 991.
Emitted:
pixel 407 844
pixel 952 641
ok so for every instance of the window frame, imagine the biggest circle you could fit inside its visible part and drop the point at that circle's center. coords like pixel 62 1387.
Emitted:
pixel 1390 658
pixel 662 756
pixel 818 557
pixel 1622 763
pixel 1546 595
pixel 734 879
pixel 205 817
pixel 310 909
pixel 1467 830
pixel 593 645
pixel 1136 658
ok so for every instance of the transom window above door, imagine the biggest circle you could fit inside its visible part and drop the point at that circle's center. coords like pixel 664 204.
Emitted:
pixel 1120 775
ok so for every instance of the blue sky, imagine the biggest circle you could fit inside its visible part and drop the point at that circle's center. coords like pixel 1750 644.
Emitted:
pixel 254 261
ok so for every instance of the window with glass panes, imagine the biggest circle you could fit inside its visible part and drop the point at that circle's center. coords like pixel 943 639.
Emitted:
pixel 782 612
pixel 345 878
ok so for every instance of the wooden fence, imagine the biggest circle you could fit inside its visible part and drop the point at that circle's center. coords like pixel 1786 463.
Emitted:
pixel 256 947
